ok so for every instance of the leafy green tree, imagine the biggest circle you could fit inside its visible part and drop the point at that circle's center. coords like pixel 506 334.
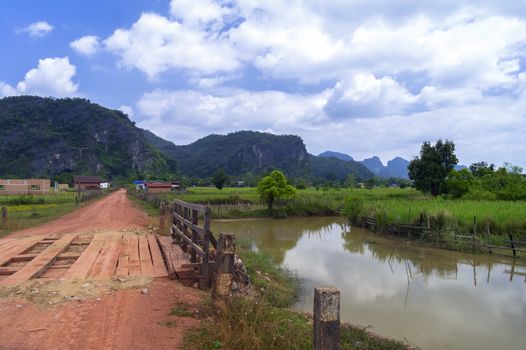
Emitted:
pixel 274 186
pixel 481 169
pixel 430 170
pixel 459 182
pixel 219 179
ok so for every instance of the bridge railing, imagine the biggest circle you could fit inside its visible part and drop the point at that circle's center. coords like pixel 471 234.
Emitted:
pixel 190 228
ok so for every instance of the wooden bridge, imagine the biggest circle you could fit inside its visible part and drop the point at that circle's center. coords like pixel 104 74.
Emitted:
pixel 191 253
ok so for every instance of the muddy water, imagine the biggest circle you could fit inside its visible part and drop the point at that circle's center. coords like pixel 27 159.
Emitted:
pixel 433 298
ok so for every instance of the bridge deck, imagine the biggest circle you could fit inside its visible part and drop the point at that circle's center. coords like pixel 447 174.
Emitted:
pixel 79 256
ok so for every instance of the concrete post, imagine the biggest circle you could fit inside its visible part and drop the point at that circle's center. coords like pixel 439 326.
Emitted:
pixel 326 318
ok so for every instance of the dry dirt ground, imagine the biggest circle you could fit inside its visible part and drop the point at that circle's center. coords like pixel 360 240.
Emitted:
pixel 131 314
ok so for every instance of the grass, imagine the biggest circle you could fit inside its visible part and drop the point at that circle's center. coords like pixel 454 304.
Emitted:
pixel 388 204
pixel 264 321
pixel 25 211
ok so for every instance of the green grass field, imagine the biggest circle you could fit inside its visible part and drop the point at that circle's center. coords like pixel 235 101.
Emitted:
pixel 27 211
pixel 394 205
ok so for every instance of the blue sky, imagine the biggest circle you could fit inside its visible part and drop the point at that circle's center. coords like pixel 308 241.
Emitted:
pixel 362 77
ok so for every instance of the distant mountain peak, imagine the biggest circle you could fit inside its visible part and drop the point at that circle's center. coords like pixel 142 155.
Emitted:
pixel 337 155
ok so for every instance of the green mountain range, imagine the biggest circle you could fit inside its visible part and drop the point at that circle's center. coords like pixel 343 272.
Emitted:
pixel 45 137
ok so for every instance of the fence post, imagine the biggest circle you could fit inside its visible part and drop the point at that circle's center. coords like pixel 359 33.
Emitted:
pixel 326 318
pixel 512 245
pixel 162 211
pixel 4 216
pixel 474 232
pixel 226 248
pixel 205 273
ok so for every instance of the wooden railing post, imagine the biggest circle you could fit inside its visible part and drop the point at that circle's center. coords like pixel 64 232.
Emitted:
pixel 4 216
pixel 205 277
pixel 162 211
pixel 226 248
pixel 326 318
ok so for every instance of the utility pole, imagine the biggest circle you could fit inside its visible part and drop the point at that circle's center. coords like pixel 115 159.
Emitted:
pixel 80 149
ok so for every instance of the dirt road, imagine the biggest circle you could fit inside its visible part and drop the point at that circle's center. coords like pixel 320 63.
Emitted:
pixel 113 212
pixel 111 319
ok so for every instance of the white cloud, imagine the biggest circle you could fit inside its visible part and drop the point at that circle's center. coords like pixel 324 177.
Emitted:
pixel 7 90
pixel 165 112
pixel 398 73
pixel 127 110
pixel 363 95
pixel 155 45
pixel 38 29
pixel 87 45
pixel 52 77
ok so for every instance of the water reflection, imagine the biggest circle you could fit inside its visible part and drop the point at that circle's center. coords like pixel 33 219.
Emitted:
pixel 434 298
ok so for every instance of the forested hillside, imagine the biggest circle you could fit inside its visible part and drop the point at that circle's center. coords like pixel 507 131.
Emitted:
pixel 44 137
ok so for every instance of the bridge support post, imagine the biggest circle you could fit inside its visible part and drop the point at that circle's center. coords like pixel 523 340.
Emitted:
pixel 326 318
pixel 226 248
pixel 162 212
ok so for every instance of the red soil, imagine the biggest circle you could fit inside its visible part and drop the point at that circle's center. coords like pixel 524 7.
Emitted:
pixel 124 319
pixel 110 213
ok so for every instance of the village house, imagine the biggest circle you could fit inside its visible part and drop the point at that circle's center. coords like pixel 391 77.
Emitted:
pixel 105 184
pixel 86 183
pixel 158 186
pixel 26 186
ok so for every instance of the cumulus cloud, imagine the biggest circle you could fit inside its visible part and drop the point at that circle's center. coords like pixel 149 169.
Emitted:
pixel 38 29
pixel 399 73
pixel 52 77
pixel 165 111
pixel 87 45
pixel 155 44
pixel 363 95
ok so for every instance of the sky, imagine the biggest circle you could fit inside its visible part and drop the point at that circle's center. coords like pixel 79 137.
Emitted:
pixel 362 77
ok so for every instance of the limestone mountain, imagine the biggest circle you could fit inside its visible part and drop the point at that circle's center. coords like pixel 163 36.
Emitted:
pixel 45 137
pixel 256 153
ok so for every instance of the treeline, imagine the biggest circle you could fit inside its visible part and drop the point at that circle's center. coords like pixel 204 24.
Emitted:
pixel 483 181
pixel 434 172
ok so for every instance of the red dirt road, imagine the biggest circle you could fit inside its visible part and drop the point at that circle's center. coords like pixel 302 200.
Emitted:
pixel 123 319
pixel 113 212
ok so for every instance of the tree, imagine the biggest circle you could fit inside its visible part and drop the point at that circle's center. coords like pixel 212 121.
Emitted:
pixel 481 169
pixel 430 170
pixel 274 186
pixel 458 183
pixel 219 179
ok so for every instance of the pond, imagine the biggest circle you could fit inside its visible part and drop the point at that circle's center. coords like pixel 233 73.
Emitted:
pixel 433 298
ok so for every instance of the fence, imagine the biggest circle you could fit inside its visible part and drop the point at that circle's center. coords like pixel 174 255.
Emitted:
pixel 442 235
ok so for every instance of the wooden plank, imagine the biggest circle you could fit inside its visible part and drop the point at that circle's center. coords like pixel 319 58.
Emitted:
pixel 17 249
pixel 124 256
pixel 188 241
pixel 134 265
pixel 6 271
pixel 105 264
pixel 145 257
pixel 157 258
pixel 190 224
pixel 173 255
pixel 192 206
pixel 23 257
pixel 38 265
pixel 82 267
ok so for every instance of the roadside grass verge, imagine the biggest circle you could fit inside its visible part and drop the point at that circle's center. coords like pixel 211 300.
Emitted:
pixel 28 211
